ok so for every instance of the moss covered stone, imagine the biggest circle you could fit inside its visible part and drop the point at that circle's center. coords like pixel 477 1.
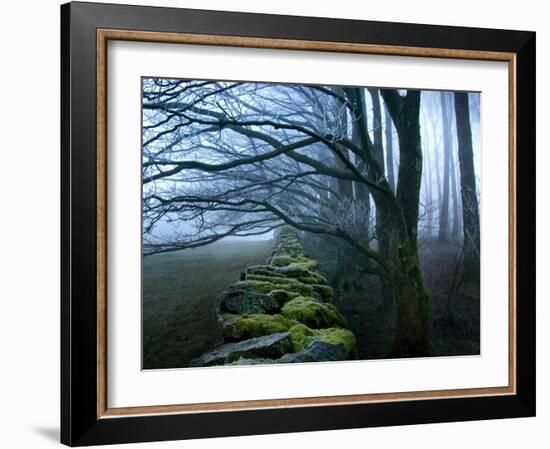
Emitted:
pixel 265 285
pixel 299 334
pixel 282 296
pixel 313 279
pixel 335 336
pixel 262 270
pixel 302 273
pixel 242 327
pixel 303 336
pixel 254 286
pixel 246 301
pixel 277 280
pixel 294 270
pixel 324 291
pixel 287 283
pixel 284 260
pixel 313 313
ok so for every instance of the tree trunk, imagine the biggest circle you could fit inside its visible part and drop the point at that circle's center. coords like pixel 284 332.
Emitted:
pixel 378 151
pixel 407 122
pixel 429 192
pixel 470 213
pixel 389 148
pixel 398 218
pixel 434 163
pixel 455 228
pixel 406 286
pixel 447 145
pixel 412 337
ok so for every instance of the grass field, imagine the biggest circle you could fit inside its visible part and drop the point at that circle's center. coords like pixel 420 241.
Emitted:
pixel 179 294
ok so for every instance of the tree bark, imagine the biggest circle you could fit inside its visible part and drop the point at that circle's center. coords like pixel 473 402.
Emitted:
pixel 378 150
pixel 447 145
pixel 470 212
pixel 411 298
pixel 455 228
pixel 428 191
pixel 344 188
pixel 389 148
pixel 362 194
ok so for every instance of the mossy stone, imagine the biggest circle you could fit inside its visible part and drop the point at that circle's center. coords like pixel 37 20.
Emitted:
pixel 313 313
pixel 285 260
pixel 294 270
pixel 242 327
pixel 265 285
pixel 324 291
pixel 246 301
pixel 302 272
pixel 254 286
pixel 262 270
pixel 313 279
pixel 282 296
pixel 300 334
pixel 336 336
pixel 303 336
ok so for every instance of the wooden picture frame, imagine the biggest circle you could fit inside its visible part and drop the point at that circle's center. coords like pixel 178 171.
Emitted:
pixel 85 417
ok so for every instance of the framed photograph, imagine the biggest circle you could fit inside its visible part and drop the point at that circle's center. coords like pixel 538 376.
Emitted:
pixel 282 224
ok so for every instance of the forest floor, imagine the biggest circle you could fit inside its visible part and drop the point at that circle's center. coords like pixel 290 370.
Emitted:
pixel 373 321
pixel 179 294
pixel 455 316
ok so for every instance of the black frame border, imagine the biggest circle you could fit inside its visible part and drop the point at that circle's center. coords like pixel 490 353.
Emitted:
pixel 79 422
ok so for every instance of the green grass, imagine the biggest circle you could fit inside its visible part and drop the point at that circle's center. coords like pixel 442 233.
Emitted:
pixel 179 295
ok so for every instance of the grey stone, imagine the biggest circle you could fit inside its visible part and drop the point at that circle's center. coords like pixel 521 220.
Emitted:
pixel 318 351
pixel 270 346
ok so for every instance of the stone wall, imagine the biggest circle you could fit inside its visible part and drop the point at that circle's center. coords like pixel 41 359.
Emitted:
pixel 281 312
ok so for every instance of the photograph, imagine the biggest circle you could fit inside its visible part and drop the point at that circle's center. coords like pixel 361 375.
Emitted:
pixel 274 222
pixel 296 223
